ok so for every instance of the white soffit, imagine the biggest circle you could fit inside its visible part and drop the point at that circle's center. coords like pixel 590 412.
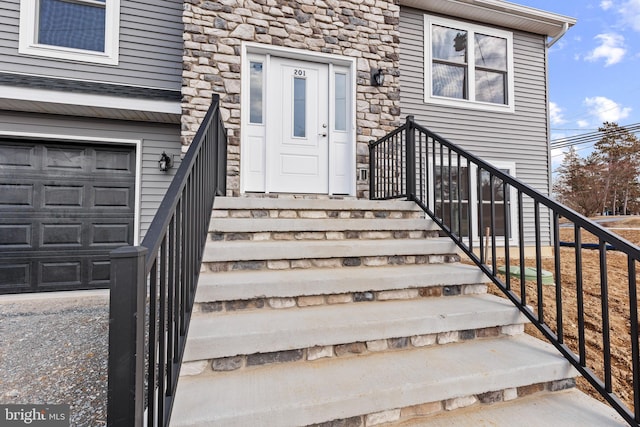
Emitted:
pixel 499 13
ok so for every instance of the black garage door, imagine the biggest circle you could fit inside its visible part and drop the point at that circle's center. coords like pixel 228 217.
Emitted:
pixel 63 207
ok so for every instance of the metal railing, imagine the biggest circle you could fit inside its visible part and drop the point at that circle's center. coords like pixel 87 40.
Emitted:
pixel 502 225
pixel 153 286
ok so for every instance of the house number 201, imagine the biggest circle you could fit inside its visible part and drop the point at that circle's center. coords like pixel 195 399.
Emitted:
pixel 297 72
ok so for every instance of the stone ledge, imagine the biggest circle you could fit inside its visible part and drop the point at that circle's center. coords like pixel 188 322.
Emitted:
pixel 321 235
pixel 423 411
pixel 226 364
pixel 364 261
pixel 204 308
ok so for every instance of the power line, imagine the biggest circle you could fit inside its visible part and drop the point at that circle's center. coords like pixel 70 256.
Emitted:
pixel 591 137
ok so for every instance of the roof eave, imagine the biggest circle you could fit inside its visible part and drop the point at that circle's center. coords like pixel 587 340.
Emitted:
pixel 499 13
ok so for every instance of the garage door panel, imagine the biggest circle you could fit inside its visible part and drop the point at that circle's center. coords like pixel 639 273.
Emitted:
pixel 115 162
pixel 63 196
pixel 14 236
pixel 113 197
pixel 15 276
pixel 67 235
pixel 17 156
pixel 56 273
pixel 64 158
pixel 64 207
pixel 12 195
pixel 99 271
pixel 110 234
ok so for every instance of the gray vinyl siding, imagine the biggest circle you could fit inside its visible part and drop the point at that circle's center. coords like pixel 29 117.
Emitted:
pixel 150 52
pixel 520 137
pixel 155 138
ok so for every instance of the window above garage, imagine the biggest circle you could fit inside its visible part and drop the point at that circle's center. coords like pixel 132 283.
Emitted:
pixel 75 30
pixel 468 65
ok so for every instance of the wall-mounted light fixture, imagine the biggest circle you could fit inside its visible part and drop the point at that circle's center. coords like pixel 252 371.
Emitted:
pixel 377 76
pixel 165 163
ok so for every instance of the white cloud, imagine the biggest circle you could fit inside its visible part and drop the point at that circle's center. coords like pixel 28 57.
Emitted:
pixel 630 11
pixel 606 110
pixel 606 4
pixel 555 113
pixel 611 49
pixel 583 123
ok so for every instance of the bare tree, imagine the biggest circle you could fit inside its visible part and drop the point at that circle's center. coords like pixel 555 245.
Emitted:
pixel 579 184
pixel 619 153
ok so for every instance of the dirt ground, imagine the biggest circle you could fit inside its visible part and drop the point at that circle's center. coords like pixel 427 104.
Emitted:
pixel 618 289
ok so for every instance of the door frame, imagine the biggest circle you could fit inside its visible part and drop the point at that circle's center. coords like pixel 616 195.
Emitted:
pixel 253 172
pixel 88 140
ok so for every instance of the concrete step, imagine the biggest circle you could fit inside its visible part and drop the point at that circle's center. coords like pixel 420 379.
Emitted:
pixel 316 204
pixel 264 331
pixel 228 251
pixel 298 394
pixel 566 408
pixel 246 285
pixel 282 225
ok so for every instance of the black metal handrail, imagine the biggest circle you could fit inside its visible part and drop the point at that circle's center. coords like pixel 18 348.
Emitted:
pixel 481 207
pixel 153 285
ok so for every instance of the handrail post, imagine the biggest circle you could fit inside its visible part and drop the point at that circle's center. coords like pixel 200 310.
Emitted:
pixel 372 169
pixel 411 159
pixel 127 302
pixel 221 149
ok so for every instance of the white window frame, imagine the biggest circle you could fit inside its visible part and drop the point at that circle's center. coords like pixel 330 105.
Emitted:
pixel 510 167
pixel 28 44
pixel 471 29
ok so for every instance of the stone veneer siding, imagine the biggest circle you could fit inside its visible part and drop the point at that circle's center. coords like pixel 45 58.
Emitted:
pixel 363 29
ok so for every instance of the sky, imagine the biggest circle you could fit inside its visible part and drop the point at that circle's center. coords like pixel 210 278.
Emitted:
pixel 594 70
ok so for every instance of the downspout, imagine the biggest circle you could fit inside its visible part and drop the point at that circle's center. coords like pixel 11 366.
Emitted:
pixel 549 157
pixel 565 28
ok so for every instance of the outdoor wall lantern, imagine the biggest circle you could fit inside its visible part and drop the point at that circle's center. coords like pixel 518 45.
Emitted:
pixel 377 76
pixel 164 164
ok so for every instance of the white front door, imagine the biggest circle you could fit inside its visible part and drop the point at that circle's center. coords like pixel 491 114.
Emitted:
pixel 297 126
pixel 298 115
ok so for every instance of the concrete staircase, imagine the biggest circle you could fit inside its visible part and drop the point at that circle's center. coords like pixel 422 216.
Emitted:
pixel 355 313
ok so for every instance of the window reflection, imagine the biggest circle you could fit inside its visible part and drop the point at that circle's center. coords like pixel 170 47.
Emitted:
pixel 255 92
pixel 449 81
pixel 340 119
pixel 452 201
pixel 494 185
pixel 454 69
pixel 449 44
pixel 299 107
pixel 491 52
pixel 491 69
pixel 75 25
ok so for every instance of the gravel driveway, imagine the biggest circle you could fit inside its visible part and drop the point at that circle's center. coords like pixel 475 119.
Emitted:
pixel 54 350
